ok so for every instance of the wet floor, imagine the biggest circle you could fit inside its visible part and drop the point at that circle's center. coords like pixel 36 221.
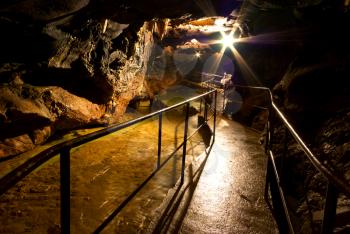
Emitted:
pixel 224 196
pixel 103 173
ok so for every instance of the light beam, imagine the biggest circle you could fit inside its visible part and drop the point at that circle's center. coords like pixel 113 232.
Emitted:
pixel 227 40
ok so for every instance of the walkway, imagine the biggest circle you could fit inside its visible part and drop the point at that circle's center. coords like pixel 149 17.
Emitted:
pixel 227 195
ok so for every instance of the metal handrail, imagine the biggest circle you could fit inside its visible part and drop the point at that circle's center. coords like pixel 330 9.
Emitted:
pixel 63 149
pixel 336 183
pixel 340 183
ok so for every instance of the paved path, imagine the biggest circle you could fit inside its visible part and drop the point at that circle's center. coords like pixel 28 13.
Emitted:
pixel 224 196
pixel 227 195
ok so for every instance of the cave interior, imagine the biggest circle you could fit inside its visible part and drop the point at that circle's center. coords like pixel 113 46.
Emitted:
pixel 84 64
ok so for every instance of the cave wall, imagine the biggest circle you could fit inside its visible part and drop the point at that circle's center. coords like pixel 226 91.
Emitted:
pixel 71 64
pixel 79 86
pixel 310 84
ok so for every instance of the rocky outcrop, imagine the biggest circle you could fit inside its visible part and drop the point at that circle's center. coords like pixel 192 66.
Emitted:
pixel 132 75
pixel 77 64
pixel 70 111
pixel 162 72
pixel 305 187
pixel 300 50
pixel 22 110
pixel 87 82
pixel 15 145
pixel 312 92
pixel 314 95
pixel 31 114
pixel 333 140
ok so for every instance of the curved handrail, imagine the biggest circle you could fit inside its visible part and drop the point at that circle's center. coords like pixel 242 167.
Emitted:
pixel 10 179
pixel 340 183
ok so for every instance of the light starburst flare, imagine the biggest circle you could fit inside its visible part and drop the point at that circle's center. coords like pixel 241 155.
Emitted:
pixel 227 40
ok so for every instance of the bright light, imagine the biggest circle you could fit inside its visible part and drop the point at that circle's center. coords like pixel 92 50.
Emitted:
pixel 194 41
pixel 197 54
pixel 227 40
pixel 220 22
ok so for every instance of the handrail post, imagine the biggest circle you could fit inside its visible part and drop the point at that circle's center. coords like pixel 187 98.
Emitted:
pixel 205 111
pixel 183 165
pixel 268 125
pixel 329 209
pixel 267 149
pixel 214 126
pixel 65 190
pixel 270 129
pixel 159 138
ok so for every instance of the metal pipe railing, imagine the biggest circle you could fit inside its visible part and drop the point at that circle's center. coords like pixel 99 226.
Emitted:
pixel 63 150
pixel 160 121
pixel 280 190
pixel 336 183
pixel 183 165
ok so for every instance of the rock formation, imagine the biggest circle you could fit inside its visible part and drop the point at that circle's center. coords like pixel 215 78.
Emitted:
pixel 86 82
pixel 72 64
pixel 314 95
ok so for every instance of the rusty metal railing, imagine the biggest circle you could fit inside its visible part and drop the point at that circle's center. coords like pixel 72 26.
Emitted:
pixel 63 150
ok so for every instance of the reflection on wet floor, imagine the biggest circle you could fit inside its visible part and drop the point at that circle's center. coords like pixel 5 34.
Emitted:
pixel 226 194
pixel 223 195
pixel 128 165
pixel 103 173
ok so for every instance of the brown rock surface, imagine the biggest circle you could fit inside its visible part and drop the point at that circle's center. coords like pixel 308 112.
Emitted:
pixel 39 136
pixel 31 114
pixel 22 111
pixel 15 145
pixel 69 110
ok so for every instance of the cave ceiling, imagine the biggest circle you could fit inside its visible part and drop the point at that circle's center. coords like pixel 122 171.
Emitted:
pixel 123 11
pixel 66 64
